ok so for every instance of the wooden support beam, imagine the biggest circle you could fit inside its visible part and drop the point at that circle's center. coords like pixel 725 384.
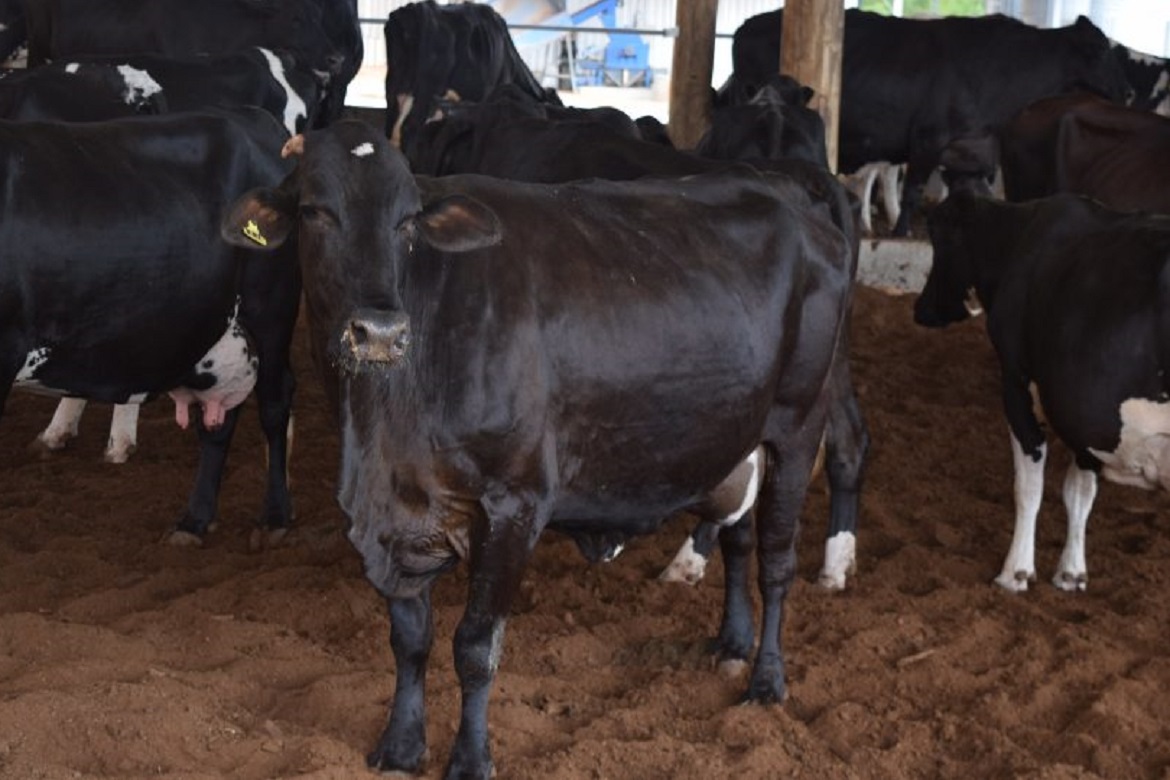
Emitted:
pixel 811 46
pixel 692 66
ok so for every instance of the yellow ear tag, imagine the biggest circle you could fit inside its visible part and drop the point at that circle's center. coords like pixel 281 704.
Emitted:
pixel 252 231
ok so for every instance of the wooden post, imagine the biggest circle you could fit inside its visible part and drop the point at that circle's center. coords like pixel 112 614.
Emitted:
pixel 811 46
pixel 692 66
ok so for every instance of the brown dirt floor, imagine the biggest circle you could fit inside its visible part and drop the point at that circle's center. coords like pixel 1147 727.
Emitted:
pixel 124 658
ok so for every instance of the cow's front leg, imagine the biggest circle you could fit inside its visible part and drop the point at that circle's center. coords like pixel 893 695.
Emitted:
pixel 201 507
pixel 403 744
pixel 1080 490
pixel 63 426
pixel 501 545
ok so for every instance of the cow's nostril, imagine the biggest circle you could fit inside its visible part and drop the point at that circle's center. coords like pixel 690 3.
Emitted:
pixel 359 333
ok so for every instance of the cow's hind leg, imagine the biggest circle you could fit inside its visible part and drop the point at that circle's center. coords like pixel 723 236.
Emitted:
pixel 724 506
pixel 1019 568
pixel 123 439
pixel 733 646
pixel 403 744
pixel 846 447
pixel 785 484
pixel 1080 490
pixel 63 426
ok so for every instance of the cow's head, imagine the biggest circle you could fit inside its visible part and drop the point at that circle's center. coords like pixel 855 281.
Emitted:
pixel 947 296
pixel 361 227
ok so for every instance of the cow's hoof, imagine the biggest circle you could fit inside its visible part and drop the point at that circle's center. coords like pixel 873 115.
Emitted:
pixel 181 538
pixel 44 448
pixel 732 668
pixel 267 538
pixel 1071 582
pixel 395 763
pixel 766 691
pixel 1015 582
pixel 688 572
pixel 118 455
pixel 831 580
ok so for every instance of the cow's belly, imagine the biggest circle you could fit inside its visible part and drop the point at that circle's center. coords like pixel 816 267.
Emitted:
pixel 1142 456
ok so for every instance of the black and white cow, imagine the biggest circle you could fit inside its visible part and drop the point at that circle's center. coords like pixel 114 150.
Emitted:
pixel 1069 288
pixel 909 87
pixel 588 357
pixel 94 87
pixel 320 35
pixel 1148 77
pixel 462 51
pixel 116 286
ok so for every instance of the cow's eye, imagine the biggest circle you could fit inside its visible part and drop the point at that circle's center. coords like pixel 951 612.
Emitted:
pixel 317 215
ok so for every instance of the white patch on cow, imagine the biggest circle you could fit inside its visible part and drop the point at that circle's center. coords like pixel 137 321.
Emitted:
pixel 139 85
pixel 1162 88
pixel 750 492
pixel 1142 58
pixel 362 150
pixel 612 553
pixel 34 360
pixel 1142 457
pixel 497 646
pixel 294 106
pixel 233 365
pixel 840 560
pixel 1020 565
pixel 688 566
pixel 72 67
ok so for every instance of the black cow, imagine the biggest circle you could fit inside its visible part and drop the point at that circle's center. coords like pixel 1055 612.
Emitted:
pixel 588 357
pixel 911 86
pixel 13 29
pixel 537 150
pixel 116 286
pixel 321 35
pixel 1077 298
pixel 775 123
pixel 1148 77
pixel 1081 144
pixel 462 51
pixel 95 87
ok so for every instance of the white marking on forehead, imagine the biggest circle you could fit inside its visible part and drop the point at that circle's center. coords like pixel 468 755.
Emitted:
pixel 1142 457
pixel 362 150
pixel 139 85
pixel 294 106
pixel 72 67
pixel 34 360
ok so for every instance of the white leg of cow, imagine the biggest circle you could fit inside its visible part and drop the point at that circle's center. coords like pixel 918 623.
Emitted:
pixel 1080 489
pixel 63 426
pixel 1020 565
pixel 891 191
pixel 123 439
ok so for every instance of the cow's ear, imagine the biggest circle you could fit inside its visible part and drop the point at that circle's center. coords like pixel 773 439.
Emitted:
pixel 458 223
pixel 260 219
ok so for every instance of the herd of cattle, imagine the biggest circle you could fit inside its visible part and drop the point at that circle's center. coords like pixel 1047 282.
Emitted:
pixel 532 317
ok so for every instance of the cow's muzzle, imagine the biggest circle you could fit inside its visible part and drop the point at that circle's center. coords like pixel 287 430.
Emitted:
pixel 376 336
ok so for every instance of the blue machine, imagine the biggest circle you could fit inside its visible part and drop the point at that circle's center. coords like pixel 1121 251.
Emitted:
pixel 625 60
